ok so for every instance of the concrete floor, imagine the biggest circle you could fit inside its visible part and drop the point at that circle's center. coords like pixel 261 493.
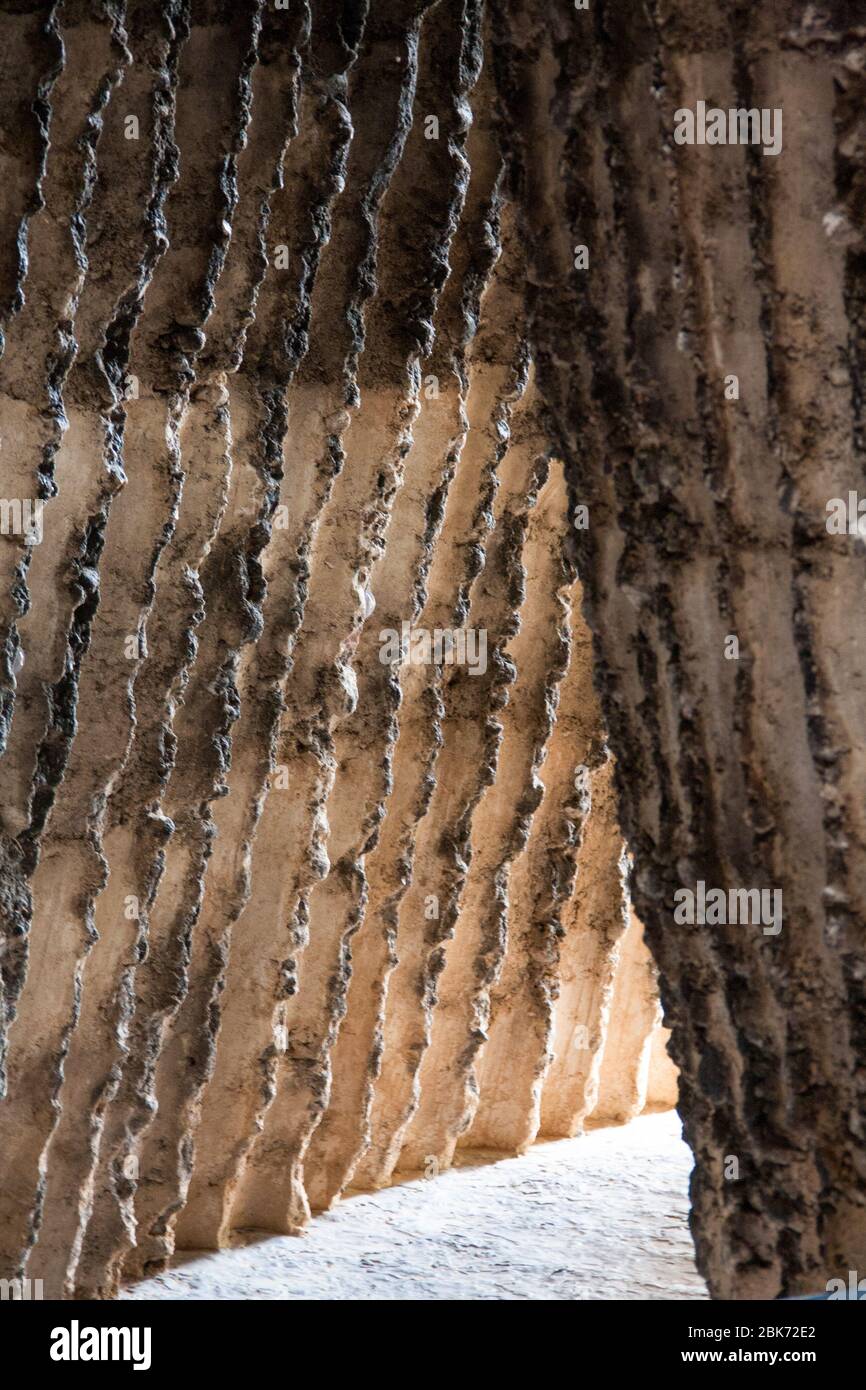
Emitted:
pixel 603 1216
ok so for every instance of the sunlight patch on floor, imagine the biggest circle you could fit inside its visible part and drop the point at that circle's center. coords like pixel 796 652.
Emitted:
pixel 603 1216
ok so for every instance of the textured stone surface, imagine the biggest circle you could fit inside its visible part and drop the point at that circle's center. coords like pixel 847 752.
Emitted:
pixel 300 359
pixel 707 518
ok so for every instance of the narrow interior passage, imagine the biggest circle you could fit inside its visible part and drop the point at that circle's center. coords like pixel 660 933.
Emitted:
pixel 431 570
pixel 602 1216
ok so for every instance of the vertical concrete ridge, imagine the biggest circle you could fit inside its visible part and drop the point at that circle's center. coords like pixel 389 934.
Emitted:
pixel 35 58
pixel 46 999
pixel 663 1078
pixel 177 435
pixel 500 608
pixel 711 394
pixel 397 326
pixel 110 305
pixel 371 162
pixel 623 1078
pixel 540 886
pixel 308 219
pixel 39 350
pixel 427 911
pixel 232 591
pixel 382 389
pixel 816 319
pixel 400 590
pixel 593 925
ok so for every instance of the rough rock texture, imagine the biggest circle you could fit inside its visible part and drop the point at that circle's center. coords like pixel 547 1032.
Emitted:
pixel 541 889
pixel 588 961
pixel 623 1077
pixel 354 723
pixel 707 518
pixel 377 520
pixel 462 1022
pixel 416 570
